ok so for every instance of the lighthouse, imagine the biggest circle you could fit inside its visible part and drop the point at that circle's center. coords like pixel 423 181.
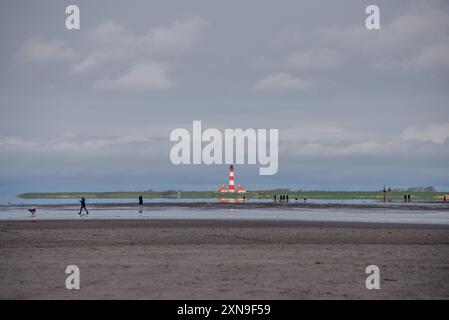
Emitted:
pixel 239 189
pixel 231 179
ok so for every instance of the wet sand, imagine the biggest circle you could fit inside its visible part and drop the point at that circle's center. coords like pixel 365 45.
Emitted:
pixel 207 259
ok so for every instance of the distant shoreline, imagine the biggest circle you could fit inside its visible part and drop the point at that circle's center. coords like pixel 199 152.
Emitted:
pixel 434 206
pixel 262 194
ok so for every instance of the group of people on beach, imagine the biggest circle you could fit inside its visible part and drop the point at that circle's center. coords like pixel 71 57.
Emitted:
pixel 284 198
pixel 407 197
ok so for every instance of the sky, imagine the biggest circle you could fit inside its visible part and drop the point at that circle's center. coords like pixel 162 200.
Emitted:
pixel 92 109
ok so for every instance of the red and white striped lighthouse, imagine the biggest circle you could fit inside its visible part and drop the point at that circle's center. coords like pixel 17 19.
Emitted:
pixel 231 179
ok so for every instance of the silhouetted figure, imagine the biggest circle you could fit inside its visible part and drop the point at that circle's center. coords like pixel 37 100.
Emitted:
pixel 287 198
pixel 409 198
pixel 444 198
pixel 244 198
pixel 305 200
pixel 83 205
pixel 405 198
pixel 140 204
pixel 274 198
pixel 385 194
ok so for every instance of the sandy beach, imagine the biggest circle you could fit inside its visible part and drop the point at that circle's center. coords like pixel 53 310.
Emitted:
pixel 211 259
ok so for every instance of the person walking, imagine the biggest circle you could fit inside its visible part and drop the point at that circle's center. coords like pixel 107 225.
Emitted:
pixel 83 206
pixel 140 201
pixel 140 204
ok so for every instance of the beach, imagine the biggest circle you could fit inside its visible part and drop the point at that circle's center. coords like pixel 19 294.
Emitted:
pixel 222 259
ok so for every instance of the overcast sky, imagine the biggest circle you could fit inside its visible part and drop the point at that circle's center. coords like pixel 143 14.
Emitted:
pixel 92 109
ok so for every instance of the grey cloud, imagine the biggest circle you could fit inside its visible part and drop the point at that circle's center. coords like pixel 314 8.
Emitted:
pixel 44 50
pixel 146 76
pixel 280 82
pixel 415 40
pixel 315 59
pixel 437 133
pixel 143 59
pixel 113 43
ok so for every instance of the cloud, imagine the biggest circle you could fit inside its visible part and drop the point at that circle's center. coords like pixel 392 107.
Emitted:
pixel 112 48
pixel 72 155
pixel 173 39
pixel 321 140
pixel 437 133
pixel 393 150
pixel 7 143
pixel 433 57
pixel 148 76
pixel 315 59
pixel 281 82
pixel 114 44
pixel 72 145
pixel 41 50
pixel 416 40
pixel 311 148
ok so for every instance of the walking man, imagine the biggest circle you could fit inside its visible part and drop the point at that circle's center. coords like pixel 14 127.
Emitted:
pixel 140 201
pixel 140 204
pixel 83 206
